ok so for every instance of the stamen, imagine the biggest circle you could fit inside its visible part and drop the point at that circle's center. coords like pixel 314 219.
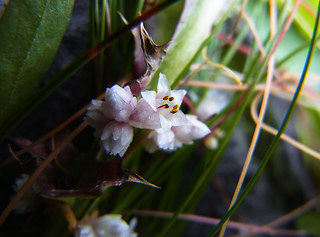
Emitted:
pixel 166 106
pixel 165 97
pixel 171 98
pixel 174 109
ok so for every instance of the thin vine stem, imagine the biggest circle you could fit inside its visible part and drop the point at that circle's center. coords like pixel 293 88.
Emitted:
pixel 277 138
pixel 266 94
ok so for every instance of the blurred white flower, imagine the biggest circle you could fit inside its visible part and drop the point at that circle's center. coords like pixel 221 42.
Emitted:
pixel 212 141
pixel 29 201
pixel 110 225
pixel 213 103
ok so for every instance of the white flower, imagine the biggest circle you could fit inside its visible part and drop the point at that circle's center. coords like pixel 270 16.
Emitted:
pixel 110 118
pixel 176 136
pixel 166 103
pixel 164 106
pixel 176 127
pixel 106 226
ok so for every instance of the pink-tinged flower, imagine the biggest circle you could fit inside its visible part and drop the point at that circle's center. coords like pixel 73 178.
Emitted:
pixel 114 118
pixel 106 226
pixel 110 118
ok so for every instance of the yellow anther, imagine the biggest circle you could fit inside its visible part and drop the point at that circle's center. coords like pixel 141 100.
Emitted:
pixel 165 97
pixel 175 107
pixel 173 111
pixel 171 98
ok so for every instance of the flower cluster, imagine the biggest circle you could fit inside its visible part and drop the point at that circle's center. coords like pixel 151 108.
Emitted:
pixel 115 117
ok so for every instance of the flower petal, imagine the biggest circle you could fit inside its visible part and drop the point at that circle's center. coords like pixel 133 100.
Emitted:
pixel 165 139
pixel 166 124
pixel 195 130
pixel 95 104
pixel 144 116
pixel 178 96
pixel 199 129
pixel 160 139
pixel 150 98
pixel 119 103
pixel 95 117
pixel 116 137
pixel 178 118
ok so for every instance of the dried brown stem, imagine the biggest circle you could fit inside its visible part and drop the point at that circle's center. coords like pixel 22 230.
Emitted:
pixel 51 133
pixel 38 171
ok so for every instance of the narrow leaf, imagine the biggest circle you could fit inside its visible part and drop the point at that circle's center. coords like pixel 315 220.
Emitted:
pixel 31 31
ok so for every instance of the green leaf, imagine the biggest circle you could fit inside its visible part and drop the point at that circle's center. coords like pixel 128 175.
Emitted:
pixel 31 31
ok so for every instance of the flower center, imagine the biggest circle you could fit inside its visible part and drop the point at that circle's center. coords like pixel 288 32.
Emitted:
pixel 169 102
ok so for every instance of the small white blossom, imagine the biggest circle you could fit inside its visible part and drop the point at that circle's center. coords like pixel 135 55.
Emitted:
pixel 106 226
pixel 176 127
pixel 166 103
